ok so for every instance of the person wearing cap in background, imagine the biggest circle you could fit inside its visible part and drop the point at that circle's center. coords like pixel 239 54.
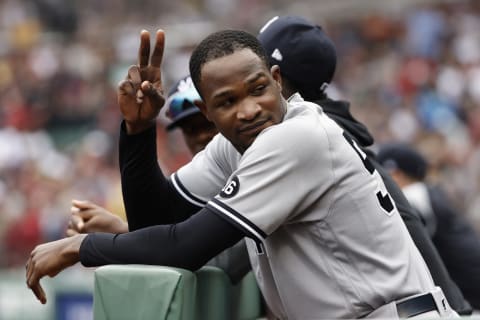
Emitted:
pixel 307 59
pixel 197 131
pixel 456 240
pixel 181 110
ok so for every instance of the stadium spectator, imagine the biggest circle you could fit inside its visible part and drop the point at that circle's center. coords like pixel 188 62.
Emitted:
pixel 456 240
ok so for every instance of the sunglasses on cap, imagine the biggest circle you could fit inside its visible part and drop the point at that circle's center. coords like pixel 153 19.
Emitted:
pixel 179 102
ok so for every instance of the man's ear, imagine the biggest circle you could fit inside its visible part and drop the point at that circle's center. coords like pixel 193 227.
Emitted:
pixel 276 75
pixel 203 107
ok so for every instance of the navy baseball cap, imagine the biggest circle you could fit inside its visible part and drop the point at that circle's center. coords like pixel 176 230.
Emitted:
pixel 180 102
pixel 404 158
pixel 303 51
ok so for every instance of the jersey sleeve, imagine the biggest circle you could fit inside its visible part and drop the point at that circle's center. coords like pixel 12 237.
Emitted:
pixel 273 184
pixel 205 175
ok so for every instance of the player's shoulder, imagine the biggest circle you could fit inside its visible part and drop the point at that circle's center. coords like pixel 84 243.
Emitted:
pixel 221 152
pixel 304 120
pixel 300 129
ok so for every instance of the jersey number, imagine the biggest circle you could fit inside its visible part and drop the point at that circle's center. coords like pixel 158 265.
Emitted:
pixel 231 188
pixel 384 199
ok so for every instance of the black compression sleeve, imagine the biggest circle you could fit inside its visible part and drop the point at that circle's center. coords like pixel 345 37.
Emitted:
pixel 188 244
pixel 149 198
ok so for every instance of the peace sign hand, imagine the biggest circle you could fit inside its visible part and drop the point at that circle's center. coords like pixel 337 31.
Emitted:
pixel 140 95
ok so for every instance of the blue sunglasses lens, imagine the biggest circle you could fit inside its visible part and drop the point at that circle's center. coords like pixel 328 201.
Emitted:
pixel 181 101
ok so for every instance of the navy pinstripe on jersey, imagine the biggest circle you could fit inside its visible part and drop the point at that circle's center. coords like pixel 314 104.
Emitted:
pixel 185 193
pixel 246 225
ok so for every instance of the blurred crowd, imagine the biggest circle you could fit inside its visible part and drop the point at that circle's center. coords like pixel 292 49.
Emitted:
pixel 411 76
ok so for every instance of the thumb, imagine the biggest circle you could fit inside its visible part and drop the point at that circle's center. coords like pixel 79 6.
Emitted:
pixel 81 204
pixel 154 91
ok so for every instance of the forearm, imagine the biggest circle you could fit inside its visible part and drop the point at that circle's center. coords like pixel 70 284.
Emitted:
pixel 189 244
pixel 148 196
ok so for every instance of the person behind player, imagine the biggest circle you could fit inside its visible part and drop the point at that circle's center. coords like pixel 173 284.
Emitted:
pixel 197 131
pixel 307 58
pixel 339 230
pixel 456 240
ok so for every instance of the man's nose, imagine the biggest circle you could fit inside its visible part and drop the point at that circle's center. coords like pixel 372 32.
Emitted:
pixel 248 110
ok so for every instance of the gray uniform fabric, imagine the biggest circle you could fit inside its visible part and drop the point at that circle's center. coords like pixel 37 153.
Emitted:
pixel 325 240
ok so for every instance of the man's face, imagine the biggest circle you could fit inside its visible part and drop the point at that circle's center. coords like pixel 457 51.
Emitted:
pixel 242 97
pixel 197 131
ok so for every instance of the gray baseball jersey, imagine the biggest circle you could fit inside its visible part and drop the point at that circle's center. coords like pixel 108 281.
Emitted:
pixel 325 239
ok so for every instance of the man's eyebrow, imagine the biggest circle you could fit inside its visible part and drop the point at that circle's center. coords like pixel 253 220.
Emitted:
pixel 222 94
pixel 248 81
pixel 255 77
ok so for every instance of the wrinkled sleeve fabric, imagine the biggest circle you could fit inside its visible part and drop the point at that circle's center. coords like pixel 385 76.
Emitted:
pixel 276 167
pixel 204 177
pixel 149 197
pixel 188 244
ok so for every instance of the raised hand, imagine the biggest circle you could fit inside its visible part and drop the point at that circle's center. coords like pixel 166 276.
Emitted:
pixel 140 95
pixel 88 217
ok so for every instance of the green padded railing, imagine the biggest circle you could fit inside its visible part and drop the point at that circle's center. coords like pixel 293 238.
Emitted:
pixel 155 292
pixel 144 292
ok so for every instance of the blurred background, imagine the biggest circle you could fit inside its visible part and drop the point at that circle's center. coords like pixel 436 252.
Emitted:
pixel 410 68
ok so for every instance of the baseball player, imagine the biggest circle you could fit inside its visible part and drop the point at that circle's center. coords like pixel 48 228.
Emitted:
pixel 329 247
pixel 197 131
pixel 307 60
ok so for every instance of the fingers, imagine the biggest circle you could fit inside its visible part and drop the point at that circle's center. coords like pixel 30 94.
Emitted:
pixel 136 78
pixel 144 49
pixel 81 212
pixel 134 75
pixel 126 88
pixel 72 228
pixel 28 270
pixel 139 97
pixel 33 282
pixel 39 293
pixel 81 204
pixel 77 223
pixel 149 90
pixel 154 92
pixel 157 55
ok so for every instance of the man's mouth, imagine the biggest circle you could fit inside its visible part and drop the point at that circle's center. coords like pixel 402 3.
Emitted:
pixel 253 128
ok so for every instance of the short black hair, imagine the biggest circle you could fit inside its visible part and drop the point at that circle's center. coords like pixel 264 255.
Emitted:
pixel 220 44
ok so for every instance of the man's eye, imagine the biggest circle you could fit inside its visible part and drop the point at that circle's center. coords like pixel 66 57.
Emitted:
pixel 259 89
pixel 226 103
